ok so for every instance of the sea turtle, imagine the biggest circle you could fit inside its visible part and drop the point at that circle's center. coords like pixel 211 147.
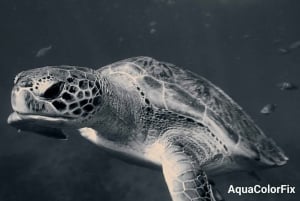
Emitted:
pixel 151 111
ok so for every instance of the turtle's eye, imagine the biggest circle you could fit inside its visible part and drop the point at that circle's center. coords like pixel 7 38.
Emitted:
pixel 54 90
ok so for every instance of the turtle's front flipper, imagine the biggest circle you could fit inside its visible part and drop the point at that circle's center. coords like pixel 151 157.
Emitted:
pixel 183 174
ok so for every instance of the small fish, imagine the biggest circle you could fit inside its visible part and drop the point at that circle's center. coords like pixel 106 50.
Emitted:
pixel 295 45
pixel 43 51
pixel 268 109
pixel 152 31
pixel 283 50
pixel 287 86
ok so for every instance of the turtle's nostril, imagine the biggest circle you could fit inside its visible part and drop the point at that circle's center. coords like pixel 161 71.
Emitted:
pixel 26 83
pixel 54 90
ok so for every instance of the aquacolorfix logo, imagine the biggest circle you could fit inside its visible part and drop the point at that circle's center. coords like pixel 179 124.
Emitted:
pixel 258 189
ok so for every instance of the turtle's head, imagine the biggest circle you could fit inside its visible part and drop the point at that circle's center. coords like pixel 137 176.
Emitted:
pixel 50 98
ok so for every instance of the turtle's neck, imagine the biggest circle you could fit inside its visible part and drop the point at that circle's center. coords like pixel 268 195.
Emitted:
pixel 119 112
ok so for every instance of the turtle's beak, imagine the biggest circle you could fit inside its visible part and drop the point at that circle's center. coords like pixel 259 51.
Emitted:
pixel 28 115
pixel 46 126
pixel 25 102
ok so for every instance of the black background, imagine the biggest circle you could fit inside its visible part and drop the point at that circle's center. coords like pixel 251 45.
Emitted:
pixel 233 43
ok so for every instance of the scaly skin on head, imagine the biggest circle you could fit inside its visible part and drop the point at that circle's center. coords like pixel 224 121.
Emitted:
pixel 64 95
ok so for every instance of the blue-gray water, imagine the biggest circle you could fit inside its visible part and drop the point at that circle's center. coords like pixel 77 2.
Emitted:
pixel 235 44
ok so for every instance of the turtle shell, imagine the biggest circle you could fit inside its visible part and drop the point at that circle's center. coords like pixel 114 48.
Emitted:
pixel 186 93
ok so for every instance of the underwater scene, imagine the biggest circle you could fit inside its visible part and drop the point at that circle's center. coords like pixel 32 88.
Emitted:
pixel 249 49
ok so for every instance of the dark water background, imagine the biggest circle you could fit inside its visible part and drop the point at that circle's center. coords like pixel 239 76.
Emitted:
pixel 233 43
